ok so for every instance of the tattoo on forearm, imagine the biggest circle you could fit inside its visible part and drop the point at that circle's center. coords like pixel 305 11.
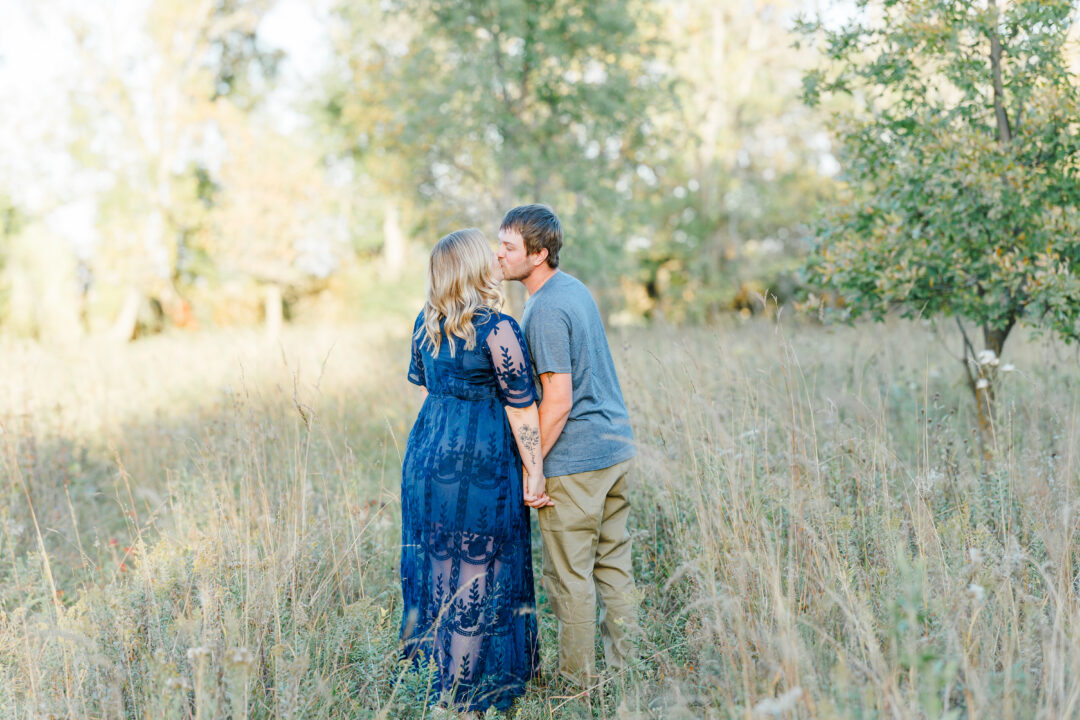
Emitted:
pixel 529 437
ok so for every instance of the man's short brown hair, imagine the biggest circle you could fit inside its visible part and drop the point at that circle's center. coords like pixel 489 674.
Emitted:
pixel 539 227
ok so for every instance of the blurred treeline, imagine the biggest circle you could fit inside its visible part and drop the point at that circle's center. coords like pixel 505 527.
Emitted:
pixel 214 187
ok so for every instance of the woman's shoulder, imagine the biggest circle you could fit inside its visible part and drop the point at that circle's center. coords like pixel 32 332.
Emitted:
pixel 496 318
pixel 487 321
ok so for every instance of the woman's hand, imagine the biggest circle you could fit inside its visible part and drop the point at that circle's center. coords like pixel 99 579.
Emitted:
pixel 535 490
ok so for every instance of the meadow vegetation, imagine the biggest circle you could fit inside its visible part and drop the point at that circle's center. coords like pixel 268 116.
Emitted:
pixel 206 525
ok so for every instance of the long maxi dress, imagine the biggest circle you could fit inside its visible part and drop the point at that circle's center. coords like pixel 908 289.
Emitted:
pixel 466 562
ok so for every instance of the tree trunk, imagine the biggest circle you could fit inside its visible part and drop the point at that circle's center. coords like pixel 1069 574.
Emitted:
pixel 274 311
pixel 983 382
pixel 984 412
pixel 995 339
pixel 394 245
pixel 123 329
pixel 1003 127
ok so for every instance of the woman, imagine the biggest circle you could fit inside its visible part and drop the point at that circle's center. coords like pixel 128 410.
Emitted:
pixel 466 566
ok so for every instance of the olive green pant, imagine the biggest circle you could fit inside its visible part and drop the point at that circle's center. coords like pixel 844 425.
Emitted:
pixel 586 556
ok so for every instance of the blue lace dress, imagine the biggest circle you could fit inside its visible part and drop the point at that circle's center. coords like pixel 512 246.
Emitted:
pixel 466 562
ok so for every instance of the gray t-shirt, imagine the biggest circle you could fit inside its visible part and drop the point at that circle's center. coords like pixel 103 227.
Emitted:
pixel 566 335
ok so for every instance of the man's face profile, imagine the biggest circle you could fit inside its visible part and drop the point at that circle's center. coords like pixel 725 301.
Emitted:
pixel 514 258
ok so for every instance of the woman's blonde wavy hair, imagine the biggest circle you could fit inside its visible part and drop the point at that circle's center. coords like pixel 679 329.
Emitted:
pixel 461 286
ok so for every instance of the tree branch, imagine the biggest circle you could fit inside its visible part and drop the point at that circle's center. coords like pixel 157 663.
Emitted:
pixel 970 349
pixel 1003 128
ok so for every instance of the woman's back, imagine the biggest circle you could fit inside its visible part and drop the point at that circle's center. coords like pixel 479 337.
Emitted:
pixel 496 367
pixel 466 565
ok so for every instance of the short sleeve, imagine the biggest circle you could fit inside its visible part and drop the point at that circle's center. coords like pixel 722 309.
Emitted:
pixel 510 359
pixel 549 338
pixel 416 364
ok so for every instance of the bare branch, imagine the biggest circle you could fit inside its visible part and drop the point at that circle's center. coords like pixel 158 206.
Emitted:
pixel 970 350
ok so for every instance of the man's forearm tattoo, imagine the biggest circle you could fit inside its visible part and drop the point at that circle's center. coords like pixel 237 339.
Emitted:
pixel 529 437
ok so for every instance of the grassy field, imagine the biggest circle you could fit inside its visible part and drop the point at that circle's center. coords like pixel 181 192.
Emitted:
pixel 207 526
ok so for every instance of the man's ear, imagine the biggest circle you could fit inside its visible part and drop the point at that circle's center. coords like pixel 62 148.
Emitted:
pixel 541 257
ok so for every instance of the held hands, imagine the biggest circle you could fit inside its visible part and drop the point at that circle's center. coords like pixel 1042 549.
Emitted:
pixel 535 490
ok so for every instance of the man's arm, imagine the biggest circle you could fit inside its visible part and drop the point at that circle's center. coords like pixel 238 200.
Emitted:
pixel 555 408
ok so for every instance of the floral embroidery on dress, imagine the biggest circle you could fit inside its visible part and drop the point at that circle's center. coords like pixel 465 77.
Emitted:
pixel 466 563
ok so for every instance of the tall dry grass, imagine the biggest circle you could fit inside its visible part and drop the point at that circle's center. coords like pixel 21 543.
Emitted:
pixel 207 526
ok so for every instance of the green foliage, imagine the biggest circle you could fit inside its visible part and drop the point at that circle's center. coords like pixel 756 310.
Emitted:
pixel 160 216
pixel 11 223
pixel 962 165
pixel 671 157
pixel 739 174
pixel 11 219
pixel 243 69
pixel 914 642
pixel 477 106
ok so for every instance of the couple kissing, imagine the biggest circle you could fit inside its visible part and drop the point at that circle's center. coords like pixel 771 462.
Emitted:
pixel 514 417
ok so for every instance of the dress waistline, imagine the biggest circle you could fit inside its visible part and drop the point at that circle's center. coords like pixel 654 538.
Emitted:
pixel 476 396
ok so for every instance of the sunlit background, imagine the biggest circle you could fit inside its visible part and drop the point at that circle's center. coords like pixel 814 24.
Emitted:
pixel 168 164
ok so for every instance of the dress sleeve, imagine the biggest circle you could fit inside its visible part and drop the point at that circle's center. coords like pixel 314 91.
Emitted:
pixel 510 359
pixel 416 364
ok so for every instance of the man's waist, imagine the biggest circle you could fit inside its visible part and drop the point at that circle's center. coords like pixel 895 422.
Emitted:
pixel 588 443
pixel 569 463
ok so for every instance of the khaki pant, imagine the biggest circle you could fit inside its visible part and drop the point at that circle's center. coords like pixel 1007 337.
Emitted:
pixel 586 555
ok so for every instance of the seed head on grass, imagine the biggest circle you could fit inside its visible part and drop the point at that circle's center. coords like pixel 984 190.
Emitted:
pixel 198 654
pixel 240 657
pixel 778 706
pixel 988 357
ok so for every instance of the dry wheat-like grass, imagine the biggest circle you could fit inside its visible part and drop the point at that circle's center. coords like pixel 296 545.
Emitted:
pixel 207 526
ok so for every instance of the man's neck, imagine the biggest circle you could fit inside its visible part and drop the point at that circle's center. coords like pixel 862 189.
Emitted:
pixel 538 277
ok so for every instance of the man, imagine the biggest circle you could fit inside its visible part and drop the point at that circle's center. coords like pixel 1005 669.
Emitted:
pixel 587 445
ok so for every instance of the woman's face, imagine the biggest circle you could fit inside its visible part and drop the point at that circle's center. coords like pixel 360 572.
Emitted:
pixel 496 268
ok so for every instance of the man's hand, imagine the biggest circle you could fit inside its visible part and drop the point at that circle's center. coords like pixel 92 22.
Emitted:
pixel 535 491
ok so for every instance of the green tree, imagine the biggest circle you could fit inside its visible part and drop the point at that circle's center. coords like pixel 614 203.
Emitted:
pixel 149 109
pixel 481 105
pixel 743 157
pixel 275 222
pixel 361 127
pixel 961 167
